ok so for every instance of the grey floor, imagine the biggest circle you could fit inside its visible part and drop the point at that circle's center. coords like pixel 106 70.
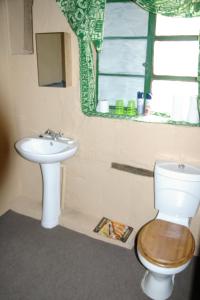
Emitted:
pixel 59 264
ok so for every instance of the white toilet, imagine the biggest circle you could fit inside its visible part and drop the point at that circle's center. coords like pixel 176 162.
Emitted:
pixel 166 245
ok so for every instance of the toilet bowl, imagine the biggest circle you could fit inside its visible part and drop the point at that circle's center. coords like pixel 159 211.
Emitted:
pixel 166 245
pixel 165 249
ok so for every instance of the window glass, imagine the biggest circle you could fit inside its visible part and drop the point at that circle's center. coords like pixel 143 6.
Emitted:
pixel 179 58
pixel 177 26
pixel 124 52
pixel 166 95
pixel 123 56
pixel 175 61
pixel 117 87
pixel 125 19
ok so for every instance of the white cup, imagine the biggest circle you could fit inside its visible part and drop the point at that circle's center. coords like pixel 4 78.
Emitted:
pixel 103 106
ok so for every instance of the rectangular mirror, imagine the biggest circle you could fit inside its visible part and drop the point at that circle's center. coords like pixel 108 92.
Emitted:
pixel 51 59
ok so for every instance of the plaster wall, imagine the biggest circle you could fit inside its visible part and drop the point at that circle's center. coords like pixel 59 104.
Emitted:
pixel 9 185
pixel 91 185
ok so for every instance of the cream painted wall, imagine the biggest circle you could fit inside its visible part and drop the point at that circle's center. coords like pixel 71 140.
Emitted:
pixel 9 184
pixel 91 186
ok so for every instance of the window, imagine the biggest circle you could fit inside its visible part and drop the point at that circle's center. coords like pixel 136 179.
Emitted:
pixel 121 64
pixel 144 52
pixel 175 66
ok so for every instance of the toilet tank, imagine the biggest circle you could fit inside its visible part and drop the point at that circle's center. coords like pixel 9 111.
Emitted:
pixel 177 189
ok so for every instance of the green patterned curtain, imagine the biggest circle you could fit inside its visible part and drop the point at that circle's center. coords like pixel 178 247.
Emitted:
pixel 86 19
pixel 183 8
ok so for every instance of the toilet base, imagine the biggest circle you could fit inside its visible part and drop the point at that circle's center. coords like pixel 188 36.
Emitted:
pixel 157 286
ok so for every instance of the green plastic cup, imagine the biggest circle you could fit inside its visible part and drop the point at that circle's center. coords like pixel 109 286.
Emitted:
pixel 119 107
pixel 131 108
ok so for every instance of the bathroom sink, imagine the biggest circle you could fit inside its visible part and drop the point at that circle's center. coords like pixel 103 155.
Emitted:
pixel 46 150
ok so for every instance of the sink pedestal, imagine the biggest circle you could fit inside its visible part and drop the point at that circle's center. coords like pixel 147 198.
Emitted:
pixel 51 194
pixel 48 151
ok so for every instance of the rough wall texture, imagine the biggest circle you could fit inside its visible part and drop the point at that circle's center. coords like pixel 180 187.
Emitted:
pixel 91 186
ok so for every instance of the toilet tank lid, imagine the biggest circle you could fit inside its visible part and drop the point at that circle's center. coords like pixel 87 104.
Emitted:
pixel 178 171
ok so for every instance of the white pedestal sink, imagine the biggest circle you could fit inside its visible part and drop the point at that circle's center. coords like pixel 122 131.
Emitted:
pixel 48 153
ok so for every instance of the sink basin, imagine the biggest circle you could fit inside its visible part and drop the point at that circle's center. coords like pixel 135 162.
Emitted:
pixel 48 152
pixel 45 150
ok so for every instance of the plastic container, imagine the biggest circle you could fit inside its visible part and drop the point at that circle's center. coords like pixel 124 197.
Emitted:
pixel 131 108
pixel 140 103
pixel 148 102
pixel 103 106
pixel 119 107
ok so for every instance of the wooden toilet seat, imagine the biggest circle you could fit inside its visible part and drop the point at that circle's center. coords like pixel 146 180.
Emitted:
pixel 166 244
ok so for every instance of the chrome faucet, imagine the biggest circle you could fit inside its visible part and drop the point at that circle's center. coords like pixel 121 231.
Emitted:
pixel 53 134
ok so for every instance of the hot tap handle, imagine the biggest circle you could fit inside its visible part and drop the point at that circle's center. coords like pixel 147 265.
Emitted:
pixel 48 131
pixel 60 134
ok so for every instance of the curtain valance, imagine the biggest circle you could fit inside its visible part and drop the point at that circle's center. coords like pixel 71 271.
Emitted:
pixel 85 18
pixel 182 8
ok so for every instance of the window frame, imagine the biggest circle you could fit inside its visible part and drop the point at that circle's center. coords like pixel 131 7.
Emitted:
pixel 148 64
pixel 149 75
pixel 175 38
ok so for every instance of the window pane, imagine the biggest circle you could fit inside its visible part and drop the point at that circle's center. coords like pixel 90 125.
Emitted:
pixel 125 19
pixel 176 58
pixel 123 56
pixel 177 26
pixel 112 88
pixel 165 93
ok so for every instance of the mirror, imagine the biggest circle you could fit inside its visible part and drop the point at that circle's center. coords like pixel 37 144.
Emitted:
pixel 52 52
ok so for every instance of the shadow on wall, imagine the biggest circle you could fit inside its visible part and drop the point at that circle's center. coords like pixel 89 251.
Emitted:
pixel 4 147
pixel 195 289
